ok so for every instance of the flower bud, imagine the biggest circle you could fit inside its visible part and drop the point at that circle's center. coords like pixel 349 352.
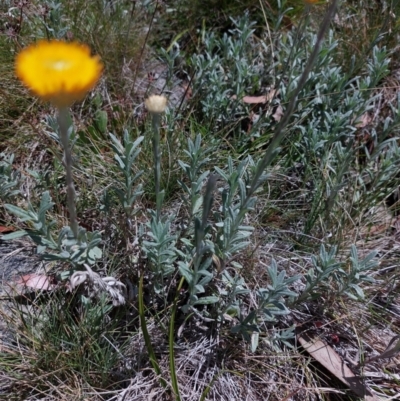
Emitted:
pixel 156 104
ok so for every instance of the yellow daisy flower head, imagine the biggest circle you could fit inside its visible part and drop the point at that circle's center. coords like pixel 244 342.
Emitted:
pixel 57 71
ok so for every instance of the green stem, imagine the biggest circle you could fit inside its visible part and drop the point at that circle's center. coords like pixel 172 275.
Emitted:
pixel 146 335
pixel 63 125
pixel 174 378
pixel 157 161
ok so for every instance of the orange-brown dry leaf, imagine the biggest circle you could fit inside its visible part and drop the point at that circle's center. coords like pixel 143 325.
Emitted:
pixel 32 281
pixel 363 121
pixel 6 229
pixel 278 114
pixel 328 358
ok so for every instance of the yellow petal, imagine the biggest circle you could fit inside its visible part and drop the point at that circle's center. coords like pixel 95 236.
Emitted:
pixel 57 71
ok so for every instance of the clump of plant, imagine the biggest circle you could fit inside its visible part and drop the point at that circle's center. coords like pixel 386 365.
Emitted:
pixel 65 342
pixel 176 277
pixel 9 178
pixel 333 153
pixel 228 68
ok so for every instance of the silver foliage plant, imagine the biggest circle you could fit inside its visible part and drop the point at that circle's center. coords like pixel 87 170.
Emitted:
pixel 203 258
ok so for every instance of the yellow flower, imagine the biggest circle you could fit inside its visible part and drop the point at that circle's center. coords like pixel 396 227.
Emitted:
pixel 156 104
pixel 311 2
pixel 57 71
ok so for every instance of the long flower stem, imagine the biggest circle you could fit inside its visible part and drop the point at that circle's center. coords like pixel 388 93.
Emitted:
pixel 174 379
pixel 63 125
pixel 146 335
pixel 157 161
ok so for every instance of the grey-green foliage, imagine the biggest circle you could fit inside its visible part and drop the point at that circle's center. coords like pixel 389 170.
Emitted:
pixel 64 246
pixel 356 273
pixel 196 264
pixel 232 235
pixel 326 129
pixel 160 250
pixel 56 23
pixel 197 160
pixel 232 289
pixel 379 177
pixel 284 336
pixel 272 298
pixel 83 249
pixel 125 154
pixel 327 132
pixel 208 248
pixel 211 247
pixel 334 277
pixel 271 302
pixel 218 235
pixel 229 67
pixel 171 57
pixel 324 268
pixel 9 177
pixel 332 101
pixel 41 226
pixel 196 256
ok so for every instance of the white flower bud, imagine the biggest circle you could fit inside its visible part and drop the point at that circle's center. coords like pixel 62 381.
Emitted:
pixel 156 104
